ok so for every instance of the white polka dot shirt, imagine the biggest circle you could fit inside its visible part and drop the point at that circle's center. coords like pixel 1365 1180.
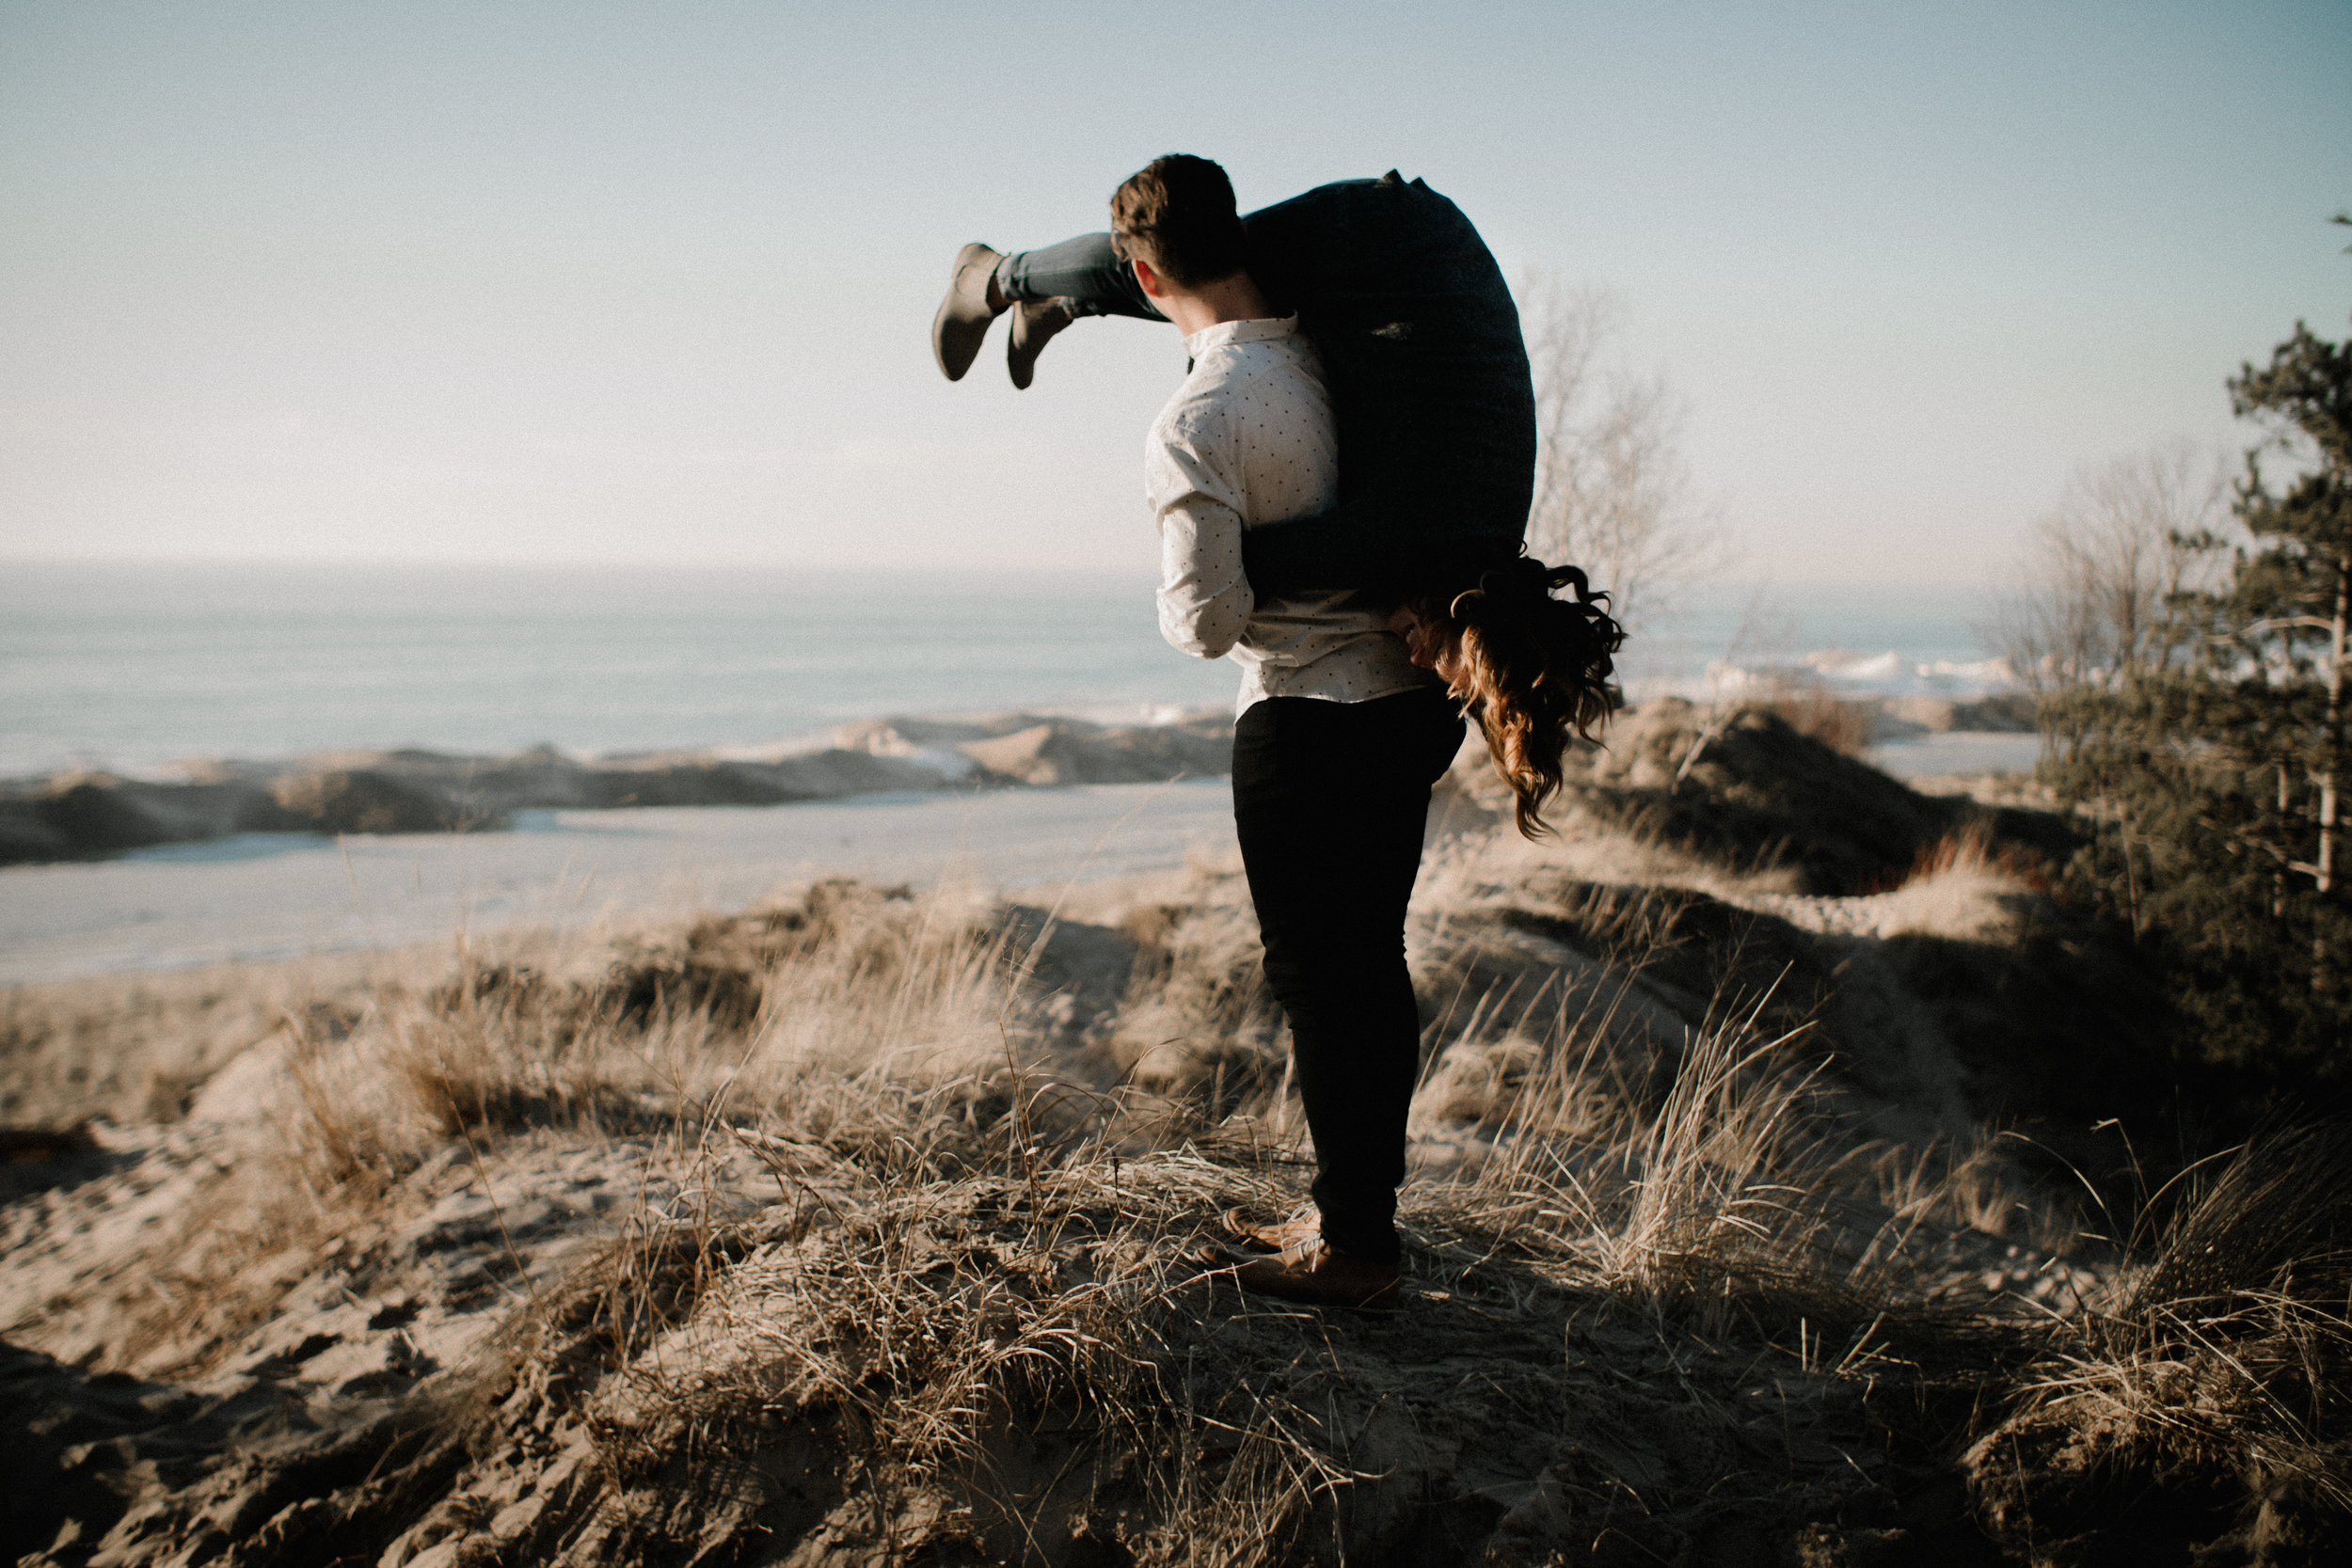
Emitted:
pixel 1248 441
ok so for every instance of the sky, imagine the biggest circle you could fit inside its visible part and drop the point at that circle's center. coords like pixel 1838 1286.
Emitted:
pixel 583 283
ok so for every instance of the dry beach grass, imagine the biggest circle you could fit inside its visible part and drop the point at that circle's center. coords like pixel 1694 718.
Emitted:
pixel 859 1230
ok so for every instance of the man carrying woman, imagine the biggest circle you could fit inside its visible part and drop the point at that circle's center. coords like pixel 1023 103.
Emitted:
pixel 1353 692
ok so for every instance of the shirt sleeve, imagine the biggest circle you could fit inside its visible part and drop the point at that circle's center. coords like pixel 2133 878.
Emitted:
pixel 1205 597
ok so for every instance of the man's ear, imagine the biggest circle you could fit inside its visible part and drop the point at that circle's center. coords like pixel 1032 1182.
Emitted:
pixel 1153 284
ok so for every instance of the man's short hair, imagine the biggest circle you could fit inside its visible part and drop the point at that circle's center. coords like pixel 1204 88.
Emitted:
pixel 1177 213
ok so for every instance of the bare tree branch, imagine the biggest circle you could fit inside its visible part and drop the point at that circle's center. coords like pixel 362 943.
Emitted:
pixel 2104 569
pixel 1612 493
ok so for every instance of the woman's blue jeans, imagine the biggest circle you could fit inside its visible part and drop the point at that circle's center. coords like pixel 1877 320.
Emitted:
pixel 1086 270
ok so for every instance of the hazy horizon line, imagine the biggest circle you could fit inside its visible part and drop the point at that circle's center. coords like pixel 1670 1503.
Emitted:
pixel 670 567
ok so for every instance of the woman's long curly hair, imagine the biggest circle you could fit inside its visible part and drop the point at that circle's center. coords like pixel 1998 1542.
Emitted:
pixel 1532 669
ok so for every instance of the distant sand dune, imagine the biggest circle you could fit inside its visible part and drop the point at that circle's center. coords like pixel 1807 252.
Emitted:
pixel 86 815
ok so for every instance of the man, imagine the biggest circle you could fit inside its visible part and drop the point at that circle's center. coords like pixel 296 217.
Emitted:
pixel 1339 736
pixel 1421 352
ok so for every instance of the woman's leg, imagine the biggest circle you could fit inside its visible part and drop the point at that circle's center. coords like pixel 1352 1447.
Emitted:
pixel 1330 800
pixel 1086 270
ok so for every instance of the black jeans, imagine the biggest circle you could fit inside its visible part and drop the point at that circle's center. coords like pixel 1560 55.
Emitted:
pixel 1331 799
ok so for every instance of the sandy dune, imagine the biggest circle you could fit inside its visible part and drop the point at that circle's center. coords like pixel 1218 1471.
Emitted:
pixel 865 1226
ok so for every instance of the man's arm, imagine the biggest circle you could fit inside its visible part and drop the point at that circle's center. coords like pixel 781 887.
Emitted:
pixel 1205 597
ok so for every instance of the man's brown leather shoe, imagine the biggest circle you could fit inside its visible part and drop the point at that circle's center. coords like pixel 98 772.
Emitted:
pixel 1320 1274
pixel 964 316
pixel 1279 1236
pixel 1034 321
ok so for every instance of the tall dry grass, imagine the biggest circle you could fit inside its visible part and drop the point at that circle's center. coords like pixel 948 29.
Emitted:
pixel 963 1278
pixel 2220 1380
pixel 1734 1200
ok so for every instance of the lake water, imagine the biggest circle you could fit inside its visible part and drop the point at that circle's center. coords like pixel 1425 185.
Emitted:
pixel 135 668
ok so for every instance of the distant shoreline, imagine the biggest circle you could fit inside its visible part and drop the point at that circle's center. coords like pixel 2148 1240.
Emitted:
pixel 80 816
pixel 84 815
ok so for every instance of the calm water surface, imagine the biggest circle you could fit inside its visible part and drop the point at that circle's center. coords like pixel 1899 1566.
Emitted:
pixel 133 667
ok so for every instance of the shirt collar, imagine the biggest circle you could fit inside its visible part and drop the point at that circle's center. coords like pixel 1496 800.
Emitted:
pixel 1260 329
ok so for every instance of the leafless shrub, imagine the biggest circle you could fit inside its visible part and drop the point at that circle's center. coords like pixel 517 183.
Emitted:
pixel 1614 494
pixel 2101 568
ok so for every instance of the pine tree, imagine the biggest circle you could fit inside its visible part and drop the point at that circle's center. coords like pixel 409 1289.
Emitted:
pixel 2298 589
pixel 2211 785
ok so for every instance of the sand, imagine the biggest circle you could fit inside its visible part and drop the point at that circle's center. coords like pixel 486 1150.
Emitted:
pixel 283 895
